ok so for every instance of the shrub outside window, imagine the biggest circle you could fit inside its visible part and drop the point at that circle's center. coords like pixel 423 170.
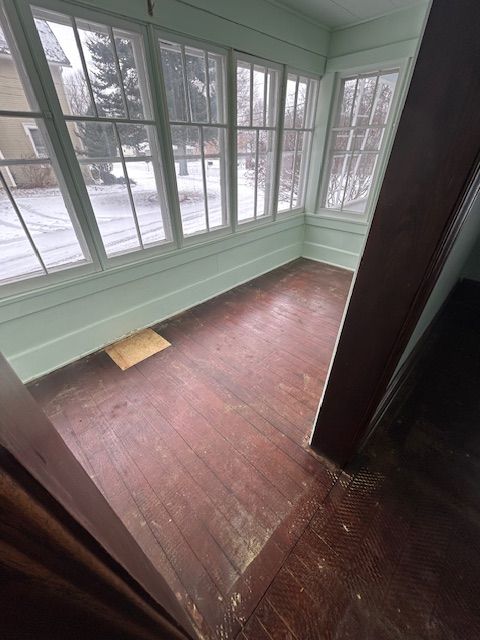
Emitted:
pixel 357 138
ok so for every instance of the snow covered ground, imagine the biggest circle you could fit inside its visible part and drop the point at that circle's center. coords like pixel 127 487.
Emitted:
pixel 49 224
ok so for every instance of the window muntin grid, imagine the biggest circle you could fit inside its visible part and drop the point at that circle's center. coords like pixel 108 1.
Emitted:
pixel 356 140
pixel 195 88
pixel 106 97
pixel 39 232
pixel 258 86
pixel 298 125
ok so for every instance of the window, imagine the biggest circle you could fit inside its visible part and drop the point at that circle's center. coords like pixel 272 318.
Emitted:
pixel 36 138
pixel 298 123
pixel 195 87
pixel 100 77
pixel 258 91
pixel 39 233
pixel 357 137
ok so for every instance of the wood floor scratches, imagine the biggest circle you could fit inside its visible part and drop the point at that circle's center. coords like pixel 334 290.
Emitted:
pixel 202 449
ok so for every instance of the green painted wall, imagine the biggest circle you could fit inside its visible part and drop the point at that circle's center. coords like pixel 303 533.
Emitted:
pixel 334 241
pixel 399 26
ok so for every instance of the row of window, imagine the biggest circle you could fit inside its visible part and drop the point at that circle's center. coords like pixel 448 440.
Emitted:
pixel 230 165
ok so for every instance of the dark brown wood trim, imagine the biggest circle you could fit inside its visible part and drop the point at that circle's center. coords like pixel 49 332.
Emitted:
pixel 62 546
pixel 420 211
pixel 404 378
pixel 57 580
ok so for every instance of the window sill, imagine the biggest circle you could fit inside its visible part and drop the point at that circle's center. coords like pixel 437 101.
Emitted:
pixel 343 216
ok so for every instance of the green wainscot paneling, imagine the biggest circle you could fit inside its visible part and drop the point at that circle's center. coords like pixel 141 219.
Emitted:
pixel 45 330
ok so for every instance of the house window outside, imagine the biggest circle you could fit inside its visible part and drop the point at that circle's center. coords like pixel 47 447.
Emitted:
pixel 39 233
pixel 298 123
pixel 357 139
pixel 257 103
pixel 36 139
pixel 104 94
pixel 195 87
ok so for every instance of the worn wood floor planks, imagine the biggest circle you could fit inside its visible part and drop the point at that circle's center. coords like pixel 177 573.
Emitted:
pixel 202 448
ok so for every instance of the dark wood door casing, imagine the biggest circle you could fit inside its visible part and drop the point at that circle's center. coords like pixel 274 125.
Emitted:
pixel 61 544
pixel 416 221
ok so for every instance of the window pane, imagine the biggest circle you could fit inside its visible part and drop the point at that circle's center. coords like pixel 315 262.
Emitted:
pixel 173 76
pixel 359 181
pixel 347 94
pixel 364 100
pixel 13 87
pixel 290 101
pixel 286 171
pixel 302 94
pixel 215 175
pixel 131 58
pixel 37 195
pixel 98 50
pixel 259 96
pixel 137 139
pixel 246 150
pixel 311 104
pixel 190 194
pixel 383 98
pixel 107 188
pixel 93 139
pixel 299 170
pixel 216 72
pixel 243 93
pixel 336 181
pixel 273 88
pixel 197 84
pixel 146 200
pixel 341 140
pixel 265 172
pixel 188 169
pixel 185 141
pixel 17 258
pixel 58 40
pixel 21 139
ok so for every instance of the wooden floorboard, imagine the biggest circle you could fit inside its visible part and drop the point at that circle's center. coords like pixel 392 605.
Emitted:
pixel 202 449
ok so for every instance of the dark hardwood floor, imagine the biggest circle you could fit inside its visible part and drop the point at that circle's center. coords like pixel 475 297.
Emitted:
pixel 202 448
pixel 393 553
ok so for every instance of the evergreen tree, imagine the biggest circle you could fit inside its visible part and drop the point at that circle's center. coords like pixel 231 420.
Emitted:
pixel 99 139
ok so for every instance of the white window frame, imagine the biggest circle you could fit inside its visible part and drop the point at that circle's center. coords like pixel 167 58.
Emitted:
pixel 385 147
pixel 185 42
pixel 307 153
pixel 112 22
pixel 33 84
pixel 277 129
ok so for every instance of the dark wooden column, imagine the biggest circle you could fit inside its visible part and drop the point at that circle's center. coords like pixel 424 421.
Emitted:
pixel 416 221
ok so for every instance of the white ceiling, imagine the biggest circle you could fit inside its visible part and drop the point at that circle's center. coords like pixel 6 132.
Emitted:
pixel 341 13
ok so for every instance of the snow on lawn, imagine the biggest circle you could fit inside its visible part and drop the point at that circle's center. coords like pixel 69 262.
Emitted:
pixel 49 224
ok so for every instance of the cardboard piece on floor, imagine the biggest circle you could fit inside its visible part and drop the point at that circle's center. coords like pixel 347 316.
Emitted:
pixel 132 350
